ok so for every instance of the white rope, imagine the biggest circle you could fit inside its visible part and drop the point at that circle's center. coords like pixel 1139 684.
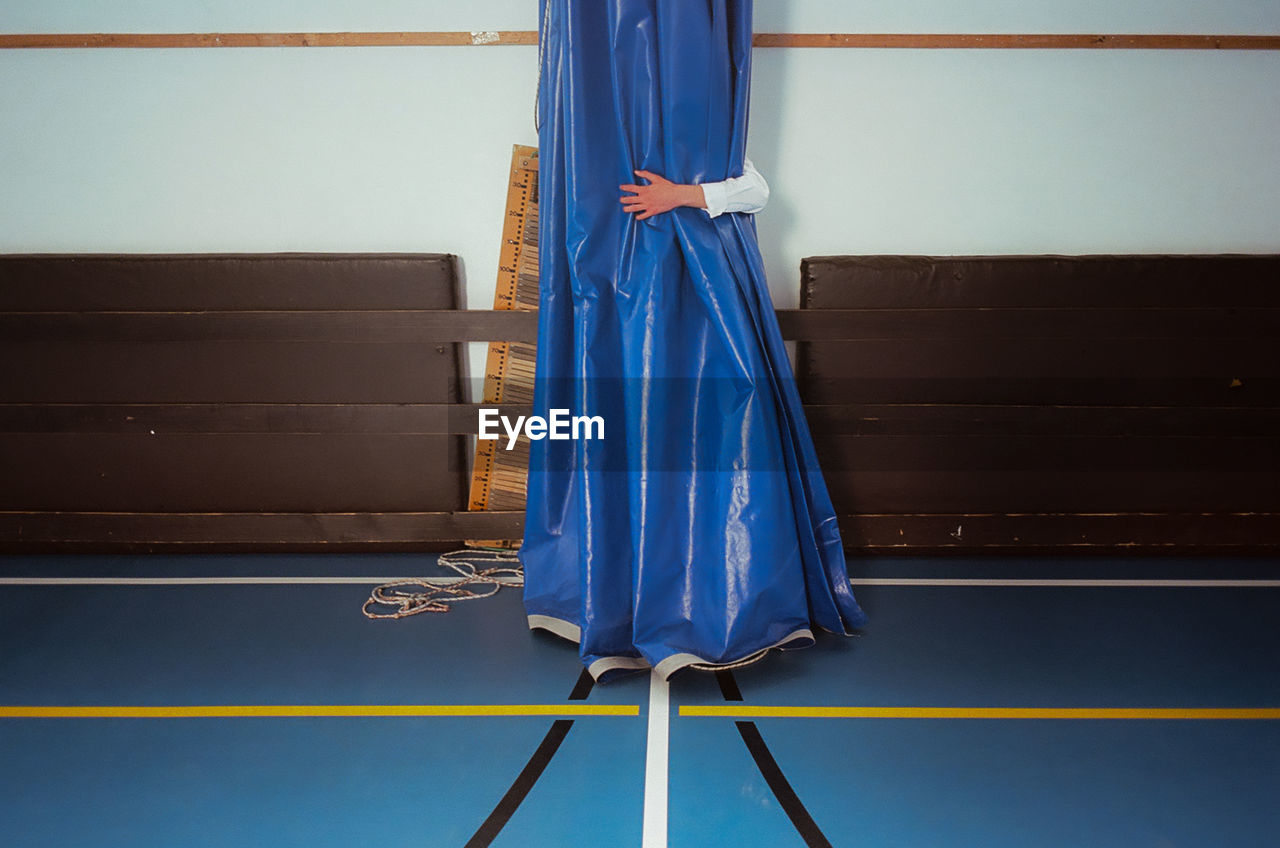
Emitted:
pixel 436 594
pixel 750 659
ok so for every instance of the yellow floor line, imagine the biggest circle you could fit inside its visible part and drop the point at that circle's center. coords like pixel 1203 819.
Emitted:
pixel 291 710
pixel 744 711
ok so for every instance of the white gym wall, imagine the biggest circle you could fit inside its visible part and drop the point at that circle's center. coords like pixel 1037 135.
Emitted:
pixel 866 150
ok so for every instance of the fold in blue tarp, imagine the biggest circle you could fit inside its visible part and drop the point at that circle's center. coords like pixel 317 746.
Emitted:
pixel 699 529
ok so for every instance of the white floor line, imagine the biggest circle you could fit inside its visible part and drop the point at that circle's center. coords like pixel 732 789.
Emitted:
pixel 655 766
pixel 445 581
pixel 975 581
pixel 224 581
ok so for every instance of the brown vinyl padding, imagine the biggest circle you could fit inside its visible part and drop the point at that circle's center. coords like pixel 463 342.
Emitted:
pixel 1065 403
pixel 266 398
pixel 295 401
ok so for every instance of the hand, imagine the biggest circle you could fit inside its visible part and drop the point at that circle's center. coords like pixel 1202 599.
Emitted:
pixel 660 195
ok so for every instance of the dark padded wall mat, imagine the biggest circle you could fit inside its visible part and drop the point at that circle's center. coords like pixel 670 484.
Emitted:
pixel 1109 404
pixel 1065 403
pixel 193 398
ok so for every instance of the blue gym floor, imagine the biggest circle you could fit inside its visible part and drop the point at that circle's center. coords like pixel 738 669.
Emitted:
pixel 565 763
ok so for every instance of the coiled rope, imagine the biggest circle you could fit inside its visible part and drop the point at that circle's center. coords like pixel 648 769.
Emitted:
pixel 435 594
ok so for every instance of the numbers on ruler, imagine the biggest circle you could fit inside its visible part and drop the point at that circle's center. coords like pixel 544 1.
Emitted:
pixel 519 239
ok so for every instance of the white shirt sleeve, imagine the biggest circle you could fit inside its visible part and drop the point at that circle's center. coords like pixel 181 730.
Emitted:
pixel 747 193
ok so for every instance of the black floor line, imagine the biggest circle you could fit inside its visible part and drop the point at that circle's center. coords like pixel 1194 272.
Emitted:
pixel 772 773
pixel 529 775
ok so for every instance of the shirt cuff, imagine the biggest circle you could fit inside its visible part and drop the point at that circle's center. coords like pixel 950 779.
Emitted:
pixel 716 197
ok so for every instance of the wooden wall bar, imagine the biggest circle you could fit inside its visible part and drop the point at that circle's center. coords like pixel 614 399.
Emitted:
pixel 498 38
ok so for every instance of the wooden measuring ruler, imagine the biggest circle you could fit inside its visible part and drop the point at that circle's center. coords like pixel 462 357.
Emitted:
pixel 499 475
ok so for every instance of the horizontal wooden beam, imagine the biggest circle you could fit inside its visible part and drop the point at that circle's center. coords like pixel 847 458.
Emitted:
pixel 369 326
pixel 1005 41
pixel 1019 534
pixel 385 326
pixel 850 419
pixel 497 38
pixel 140 532
pixel 1030 322
pixel 269 39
